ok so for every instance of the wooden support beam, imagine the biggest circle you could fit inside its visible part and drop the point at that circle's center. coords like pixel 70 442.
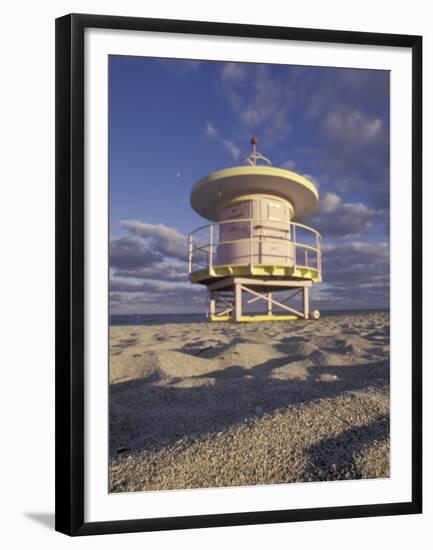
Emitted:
pixel 230 281
pixel 223 283
pixel 306 302
pixel 279 304
pixel 234 286
pixel 225 312
pixel 211 302
pixel 238 302
pixel 269 308
pixel 292 295
pixel 225 301
pixel 265 282
pixel 252 300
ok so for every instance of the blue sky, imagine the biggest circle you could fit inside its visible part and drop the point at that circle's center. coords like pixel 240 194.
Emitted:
pixel 171 122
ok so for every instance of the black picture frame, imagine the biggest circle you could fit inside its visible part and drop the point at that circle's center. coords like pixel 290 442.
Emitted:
pixel 70 283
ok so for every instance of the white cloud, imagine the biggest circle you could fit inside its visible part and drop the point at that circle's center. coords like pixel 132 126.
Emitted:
pixel 155 297
pixel 210 130
pixel 120 285
pixel 289 164
pixel 130 252
pixel 163 240
pixel 335 218
pixel 355 274
pixel 260 103
pixel 233 71
pixel 162 271
pixel 229 145
pixel 251 118
pixel 329 203
pixel 351 126
pixel 351 180
pixel 148 270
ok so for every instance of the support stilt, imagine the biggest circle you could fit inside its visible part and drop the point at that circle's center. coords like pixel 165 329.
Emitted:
pixel 269 309
pixel 212 309
pixel 306 302
pixel 226 299
pixel 238 302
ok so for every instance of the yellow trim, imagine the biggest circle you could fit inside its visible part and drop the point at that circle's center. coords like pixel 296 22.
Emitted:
pixel 255 318
pixel 277 182
pixel 254 170
pixel 249 318
pixel 261 270
pixel 220 318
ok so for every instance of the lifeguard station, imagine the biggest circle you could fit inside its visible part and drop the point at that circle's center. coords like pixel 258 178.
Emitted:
pixel 255 246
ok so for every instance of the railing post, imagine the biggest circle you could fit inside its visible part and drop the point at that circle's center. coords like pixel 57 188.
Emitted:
pixel 210 246
pixel 189 253
pixel 294 245
pixel 251 245
pixel 306 257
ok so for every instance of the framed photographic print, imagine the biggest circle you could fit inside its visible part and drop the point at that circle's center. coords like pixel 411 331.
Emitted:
pixel 238 274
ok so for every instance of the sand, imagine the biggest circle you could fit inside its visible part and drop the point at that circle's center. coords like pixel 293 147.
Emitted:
pixel 223 404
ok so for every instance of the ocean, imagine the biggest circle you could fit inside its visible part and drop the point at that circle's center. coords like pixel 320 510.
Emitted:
pixel 180 318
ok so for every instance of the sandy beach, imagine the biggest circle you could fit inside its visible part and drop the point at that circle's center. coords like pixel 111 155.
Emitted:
pixel 224 404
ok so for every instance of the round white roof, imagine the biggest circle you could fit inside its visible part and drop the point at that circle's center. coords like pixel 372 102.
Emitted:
pixel 217 188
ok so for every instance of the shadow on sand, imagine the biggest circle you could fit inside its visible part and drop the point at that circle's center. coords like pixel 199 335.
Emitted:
pixel 145 416
pixel 332 459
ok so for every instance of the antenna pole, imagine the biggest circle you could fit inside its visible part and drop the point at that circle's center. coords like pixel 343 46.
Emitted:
pixel 254 156
pixel 254 144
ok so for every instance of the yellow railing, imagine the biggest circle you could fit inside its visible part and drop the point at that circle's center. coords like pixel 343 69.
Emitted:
pixel 304 240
